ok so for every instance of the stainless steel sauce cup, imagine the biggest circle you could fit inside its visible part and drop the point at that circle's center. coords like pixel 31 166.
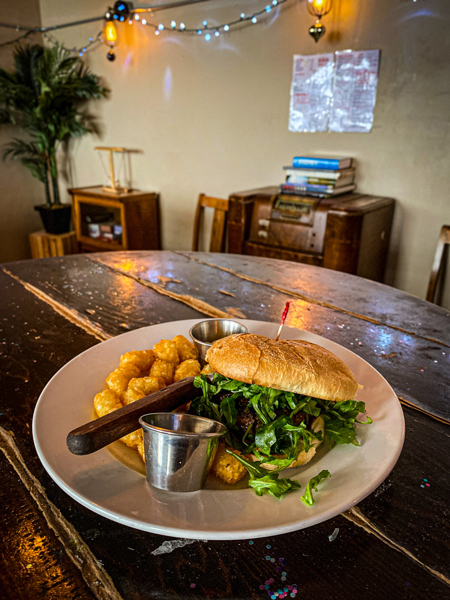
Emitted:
pixel 179 450
pixel 203 334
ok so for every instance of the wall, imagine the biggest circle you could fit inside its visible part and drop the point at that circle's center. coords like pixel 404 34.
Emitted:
pixel 212 116
pixel 19 191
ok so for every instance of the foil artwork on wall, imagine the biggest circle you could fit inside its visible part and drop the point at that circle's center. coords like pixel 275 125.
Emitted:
pixel 334 92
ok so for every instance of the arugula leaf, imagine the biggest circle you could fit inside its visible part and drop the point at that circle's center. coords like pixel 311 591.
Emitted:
pixel 340 419
pixel 368 422
pixel 340 432
pixel 263 481
pixel 308 498
pixel 229 410
pixel 274 486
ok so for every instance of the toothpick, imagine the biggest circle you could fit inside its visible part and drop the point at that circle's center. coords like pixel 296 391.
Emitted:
pixel 283 319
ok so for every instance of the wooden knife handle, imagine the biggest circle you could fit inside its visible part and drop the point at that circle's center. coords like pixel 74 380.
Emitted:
pixel 103 431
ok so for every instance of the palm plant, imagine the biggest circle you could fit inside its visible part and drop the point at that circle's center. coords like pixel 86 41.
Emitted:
pixel 44 96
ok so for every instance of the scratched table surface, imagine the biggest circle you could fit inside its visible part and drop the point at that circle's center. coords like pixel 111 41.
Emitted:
pixel 393 544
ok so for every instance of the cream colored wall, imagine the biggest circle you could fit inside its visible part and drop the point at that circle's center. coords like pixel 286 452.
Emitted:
pixel 19 191
pixel 213 116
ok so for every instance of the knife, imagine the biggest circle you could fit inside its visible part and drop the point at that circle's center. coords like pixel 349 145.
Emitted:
pixel 100 432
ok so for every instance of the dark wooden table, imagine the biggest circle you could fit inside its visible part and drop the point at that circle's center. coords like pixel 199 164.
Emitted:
pixel 393 544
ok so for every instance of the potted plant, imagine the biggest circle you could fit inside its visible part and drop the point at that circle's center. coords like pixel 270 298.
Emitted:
pixel 44 95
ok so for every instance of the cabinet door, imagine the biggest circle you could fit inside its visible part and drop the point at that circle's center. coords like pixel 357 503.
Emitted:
pixel 99 223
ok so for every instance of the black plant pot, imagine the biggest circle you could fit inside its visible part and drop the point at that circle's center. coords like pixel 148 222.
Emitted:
pixel 56 219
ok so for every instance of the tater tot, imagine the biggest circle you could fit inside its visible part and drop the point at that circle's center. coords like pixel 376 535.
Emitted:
pixel 105 402
pixel 164 369
pixel 142 359
pixel 188 368
pixel 185 349
pixel 118 380
pixel 226 467
pixel 134 439
pixel 140 448
pixel 166 350
pixel 142 386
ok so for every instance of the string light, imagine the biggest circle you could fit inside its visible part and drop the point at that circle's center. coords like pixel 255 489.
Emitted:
pixel 93 43
pixel 123 11
pixel 216 29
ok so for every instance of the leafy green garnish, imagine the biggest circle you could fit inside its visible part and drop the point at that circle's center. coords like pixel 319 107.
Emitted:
pixel 278 430
pixel 308 498
pixel 275 410
pixel 340 419
pixel 263 481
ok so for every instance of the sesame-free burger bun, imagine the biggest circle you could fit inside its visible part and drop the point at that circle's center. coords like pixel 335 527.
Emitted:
pixel 290 365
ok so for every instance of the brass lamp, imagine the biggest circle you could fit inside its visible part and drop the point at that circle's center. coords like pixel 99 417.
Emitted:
pixel 318 8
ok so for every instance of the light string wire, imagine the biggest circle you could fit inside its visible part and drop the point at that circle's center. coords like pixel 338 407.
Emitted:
pixel 205 26
pixel 136 15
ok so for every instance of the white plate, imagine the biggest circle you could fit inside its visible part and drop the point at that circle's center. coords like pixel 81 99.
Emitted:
pixel 110 488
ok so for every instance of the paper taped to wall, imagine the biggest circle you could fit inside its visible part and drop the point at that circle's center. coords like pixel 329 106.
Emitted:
pixel 311 92
pixel 334 92
pixel 354 91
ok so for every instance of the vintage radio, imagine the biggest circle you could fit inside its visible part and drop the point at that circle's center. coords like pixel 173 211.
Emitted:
pixel 347 233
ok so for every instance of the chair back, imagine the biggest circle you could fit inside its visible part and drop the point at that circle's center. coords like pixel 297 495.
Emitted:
pixel 443 241
pixel 220 206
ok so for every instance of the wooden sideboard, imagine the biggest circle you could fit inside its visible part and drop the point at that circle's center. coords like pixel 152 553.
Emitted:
pixel 125 221
pixel 348 233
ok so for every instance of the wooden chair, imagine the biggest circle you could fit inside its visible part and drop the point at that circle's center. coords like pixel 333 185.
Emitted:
pixel 444 240
pixel 220 206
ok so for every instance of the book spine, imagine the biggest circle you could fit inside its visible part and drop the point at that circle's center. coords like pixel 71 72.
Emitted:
pixel 316 163
pixel 291 192
pixel 321 173
pixel 325 189
pixel 310 181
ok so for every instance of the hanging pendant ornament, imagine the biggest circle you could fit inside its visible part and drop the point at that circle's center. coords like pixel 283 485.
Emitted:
pixel 317 30
pixel 318 8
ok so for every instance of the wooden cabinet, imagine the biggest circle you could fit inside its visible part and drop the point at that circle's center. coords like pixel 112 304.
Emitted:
pixel 125 221
pixel 348 233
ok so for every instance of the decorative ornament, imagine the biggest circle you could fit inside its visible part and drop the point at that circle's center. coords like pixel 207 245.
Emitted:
pixel 318 8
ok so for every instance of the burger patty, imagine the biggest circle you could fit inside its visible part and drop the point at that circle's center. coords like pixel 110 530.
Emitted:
pixel 247 419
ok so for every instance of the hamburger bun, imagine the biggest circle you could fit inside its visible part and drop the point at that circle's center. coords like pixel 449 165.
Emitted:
pixel 290 365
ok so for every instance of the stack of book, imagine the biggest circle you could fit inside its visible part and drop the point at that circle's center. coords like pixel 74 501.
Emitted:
pixel 319 177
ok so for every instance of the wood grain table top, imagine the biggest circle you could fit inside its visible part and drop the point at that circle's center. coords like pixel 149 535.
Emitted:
pixel 393 544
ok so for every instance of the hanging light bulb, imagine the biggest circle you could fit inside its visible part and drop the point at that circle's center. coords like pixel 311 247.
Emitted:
pixel 110 32
pixel 318 8
pixel 110 37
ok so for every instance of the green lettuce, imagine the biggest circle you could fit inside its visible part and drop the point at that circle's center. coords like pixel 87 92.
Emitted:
pixel 277 432
pixel 312 484
pixel 263 481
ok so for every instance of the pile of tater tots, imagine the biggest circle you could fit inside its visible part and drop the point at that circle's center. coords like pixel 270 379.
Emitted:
pixel 142 372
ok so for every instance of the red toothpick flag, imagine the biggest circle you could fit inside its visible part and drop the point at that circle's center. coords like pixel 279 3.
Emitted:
pixel 283 319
